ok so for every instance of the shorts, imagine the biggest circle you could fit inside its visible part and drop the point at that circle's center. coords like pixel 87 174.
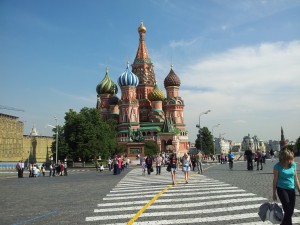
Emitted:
pixel 173 169
pixel 186 168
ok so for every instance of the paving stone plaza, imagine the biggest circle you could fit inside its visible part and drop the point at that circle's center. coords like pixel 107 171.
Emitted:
pixel 218 196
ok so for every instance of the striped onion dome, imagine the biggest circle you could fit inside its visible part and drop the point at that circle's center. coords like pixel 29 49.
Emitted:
pixel 156 94
pixel 172 79
pixel 128 78
pixel 107 86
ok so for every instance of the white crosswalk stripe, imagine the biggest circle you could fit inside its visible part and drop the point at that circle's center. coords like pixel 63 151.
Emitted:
pixel 202 200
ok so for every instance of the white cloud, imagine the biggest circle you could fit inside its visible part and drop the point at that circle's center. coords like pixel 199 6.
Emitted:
pixel 182 43
pixel 256 83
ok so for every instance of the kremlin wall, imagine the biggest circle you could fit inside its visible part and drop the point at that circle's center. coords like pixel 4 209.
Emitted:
pixel 15 146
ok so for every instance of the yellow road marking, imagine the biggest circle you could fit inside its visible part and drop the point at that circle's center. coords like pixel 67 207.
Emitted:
pixel 140 212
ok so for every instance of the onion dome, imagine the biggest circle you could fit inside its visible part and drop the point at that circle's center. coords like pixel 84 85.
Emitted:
pixel 156 94
pixel 172 79
pixel 113 100
pixel 142 28
pixel 128 78
pixel 106 86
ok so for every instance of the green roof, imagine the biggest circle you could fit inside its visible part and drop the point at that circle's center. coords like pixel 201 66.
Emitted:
pixel 144 129
pixel 150 128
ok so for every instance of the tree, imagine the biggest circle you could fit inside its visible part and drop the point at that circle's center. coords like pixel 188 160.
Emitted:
pixel 62 150
pixel 88 136
pixel 206 141
pixel 151 148
pixel 297 147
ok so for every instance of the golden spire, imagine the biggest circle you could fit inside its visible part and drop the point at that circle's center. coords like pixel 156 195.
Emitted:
pixel 142 28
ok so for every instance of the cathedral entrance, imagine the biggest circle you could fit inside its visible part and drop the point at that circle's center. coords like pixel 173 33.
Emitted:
pixel 167 146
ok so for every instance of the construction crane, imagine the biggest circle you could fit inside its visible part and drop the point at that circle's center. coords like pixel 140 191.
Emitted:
pixel 11 108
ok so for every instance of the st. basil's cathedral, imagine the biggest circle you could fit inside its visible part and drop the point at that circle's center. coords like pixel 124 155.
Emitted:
pixel 144 113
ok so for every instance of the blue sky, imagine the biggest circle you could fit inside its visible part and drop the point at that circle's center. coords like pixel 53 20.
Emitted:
pixel 240 59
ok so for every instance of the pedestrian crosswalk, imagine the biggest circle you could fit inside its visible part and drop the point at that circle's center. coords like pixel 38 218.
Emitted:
pixel 151 199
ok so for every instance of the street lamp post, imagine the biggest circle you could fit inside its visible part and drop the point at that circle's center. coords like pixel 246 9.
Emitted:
pixel 56 147
pixel 199 127
pixel 212 131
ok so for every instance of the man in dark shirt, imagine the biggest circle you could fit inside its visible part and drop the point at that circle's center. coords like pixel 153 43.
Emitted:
pixel 249 156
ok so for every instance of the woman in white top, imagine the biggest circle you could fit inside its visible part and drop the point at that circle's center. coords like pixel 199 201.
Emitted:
pixel 186 162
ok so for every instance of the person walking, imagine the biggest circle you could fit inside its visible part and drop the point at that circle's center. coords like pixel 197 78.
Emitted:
pixel 264 156
pixel 43 168
pixel 66 169
pixel 115 163
pixel 143 166
pixel 127 162
pixel 248 157
pixel 149 164
pixel 174 166
pixel 22 168
pixel 199 162
pixel 19 169
pixel 120 163
pixel 158 161
pixel 186 162
pixel 259 160
pixel 62 168
pixel 230 159
pixel 285 181
pixel 272 153
pixel 109 163
pixel 50 170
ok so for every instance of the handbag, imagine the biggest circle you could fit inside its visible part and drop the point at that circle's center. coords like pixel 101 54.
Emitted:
pixel 274 213
pixel 169 168
pixel 151 169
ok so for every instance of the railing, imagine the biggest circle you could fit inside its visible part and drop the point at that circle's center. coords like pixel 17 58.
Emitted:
pixel 7 166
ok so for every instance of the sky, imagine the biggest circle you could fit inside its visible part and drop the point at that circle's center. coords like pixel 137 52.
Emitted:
pixel 239 59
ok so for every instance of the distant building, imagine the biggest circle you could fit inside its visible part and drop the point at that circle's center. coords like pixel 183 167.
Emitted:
pixel 15 146
pixel 252 143
pixel 222 146
pixel 236 148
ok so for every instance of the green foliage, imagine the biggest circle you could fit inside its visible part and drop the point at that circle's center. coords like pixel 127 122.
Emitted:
pixel 120 150
pixel 88 136
pixel 151 148
pixel 206 141
pixel 297 147
pixel 62 148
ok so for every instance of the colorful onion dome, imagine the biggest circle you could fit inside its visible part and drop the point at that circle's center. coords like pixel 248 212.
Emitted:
pixel 106 86
pixel 142 28
pixel 113 100
pixel 156 94
pixel 128 78
pixel 172 79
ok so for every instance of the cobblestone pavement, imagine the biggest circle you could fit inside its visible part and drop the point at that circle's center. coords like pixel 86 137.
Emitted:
pixel 218 196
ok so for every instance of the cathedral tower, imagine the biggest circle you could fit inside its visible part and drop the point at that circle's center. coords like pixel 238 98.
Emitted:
pixel 105 89
pixel 173 104
pixel 129 105
pixel 283 142
pixel 143 68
